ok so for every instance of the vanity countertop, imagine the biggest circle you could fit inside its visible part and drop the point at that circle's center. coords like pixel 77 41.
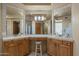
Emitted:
pixel 48 36
pixel 23 36
pixel 61 38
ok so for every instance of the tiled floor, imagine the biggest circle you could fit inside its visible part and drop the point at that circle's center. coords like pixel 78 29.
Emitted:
pixel 33 54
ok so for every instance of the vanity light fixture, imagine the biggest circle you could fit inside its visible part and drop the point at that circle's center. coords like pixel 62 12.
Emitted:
pixel 39 18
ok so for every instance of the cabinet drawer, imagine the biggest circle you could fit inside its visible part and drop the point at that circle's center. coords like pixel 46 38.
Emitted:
pixel 9 43
pixel 58 41
pixel 66 43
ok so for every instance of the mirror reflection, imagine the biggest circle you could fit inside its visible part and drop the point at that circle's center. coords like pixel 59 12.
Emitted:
pixel 18 23
pixel 62 22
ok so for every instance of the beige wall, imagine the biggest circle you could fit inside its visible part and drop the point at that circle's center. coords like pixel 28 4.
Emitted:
pixel 0 18
pixel 0 31
pixel 75 27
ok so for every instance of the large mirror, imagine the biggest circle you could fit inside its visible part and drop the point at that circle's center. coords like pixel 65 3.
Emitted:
pixel 21 22
pixel 13 27
pixel 13 21
pixel 62 20
pixel 38 24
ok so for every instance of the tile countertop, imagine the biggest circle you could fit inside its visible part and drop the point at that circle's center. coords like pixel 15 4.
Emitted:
pixel 48 36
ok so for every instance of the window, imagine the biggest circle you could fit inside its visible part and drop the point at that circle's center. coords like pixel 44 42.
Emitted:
pixel 58 27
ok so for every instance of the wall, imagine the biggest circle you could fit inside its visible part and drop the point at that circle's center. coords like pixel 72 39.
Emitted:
pixel 0 18
pixel 75 27
pixel 0 31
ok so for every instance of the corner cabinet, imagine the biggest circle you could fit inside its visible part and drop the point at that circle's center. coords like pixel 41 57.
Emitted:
pixel 59 47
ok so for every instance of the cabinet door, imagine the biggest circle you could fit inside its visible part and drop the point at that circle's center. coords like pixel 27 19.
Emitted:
pixel 21 50
pixel 12 50
pixel 26 46
pixel 23 47
pixel 20 47
pixel 9 48
pixel 51 47
pixel 4 51
pixel 65 50
pixel 58 43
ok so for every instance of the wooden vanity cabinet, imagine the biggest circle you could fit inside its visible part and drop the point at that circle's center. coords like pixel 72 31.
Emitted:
pixel 66 48
pixel 51 47
pixel 59 47
pixel 9 48
pixel 23 46
pixel 20 47
pixel 26 46
pixel 17 47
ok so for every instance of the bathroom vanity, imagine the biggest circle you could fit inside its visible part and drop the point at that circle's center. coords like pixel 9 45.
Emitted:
pixel 54 30
pixel 24 45
pixel 59 47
